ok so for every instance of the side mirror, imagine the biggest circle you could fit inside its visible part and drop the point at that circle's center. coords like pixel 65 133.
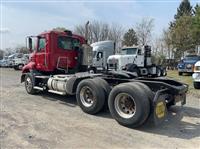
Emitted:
pixel 30 43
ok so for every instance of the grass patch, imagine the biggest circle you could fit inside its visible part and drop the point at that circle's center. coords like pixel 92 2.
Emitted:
pixel 185 78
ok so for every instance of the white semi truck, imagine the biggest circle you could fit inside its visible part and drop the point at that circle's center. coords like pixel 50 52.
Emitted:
pixel 20 60
pixel 136 59
pixel 101 51
pixel 196 75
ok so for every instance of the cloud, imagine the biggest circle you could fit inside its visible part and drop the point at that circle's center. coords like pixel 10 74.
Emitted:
pixel 4 30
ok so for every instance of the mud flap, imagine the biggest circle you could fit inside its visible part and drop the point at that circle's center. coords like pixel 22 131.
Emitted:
pixel 159 108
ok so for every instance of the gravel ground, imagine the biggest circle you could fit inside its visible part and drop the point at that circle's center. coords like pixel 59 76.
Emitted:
pixel 53 121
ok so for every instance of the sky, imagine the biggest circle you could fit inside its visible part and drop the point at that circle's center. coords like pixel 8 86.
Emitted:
pixel 21 18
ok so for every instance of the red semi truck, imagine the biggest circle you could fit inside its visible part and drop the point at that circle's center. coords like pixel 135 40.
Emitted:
pixel 59 65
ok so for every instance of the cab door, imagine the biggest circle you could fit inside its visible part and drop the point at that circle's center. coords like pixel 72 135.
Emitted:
pixel 140 58
pixel 99 59
pixel 40 57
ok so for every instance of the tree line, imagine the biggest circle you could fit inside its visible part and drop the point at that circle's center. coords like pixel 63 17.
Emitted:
pixel 100 31
pixel 183 33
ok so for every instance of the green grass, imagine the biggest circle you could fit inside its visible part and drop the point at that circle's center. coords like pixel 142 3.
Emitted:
pixel 185 78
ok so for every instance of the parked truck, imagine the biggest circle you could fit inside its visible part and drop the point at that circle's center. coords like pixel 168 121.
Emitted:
pixel 136 59
pixel 196 75
pixel 20 60
pixel 101 51
pixel 186 65
pixel 56 66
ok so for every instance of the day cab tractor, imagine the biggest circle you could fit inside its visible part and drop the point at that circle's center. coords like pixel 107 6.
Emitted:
pixel 196 75
pixel 187 64
pixel 101 51
pixel 136 59
pixel 58 65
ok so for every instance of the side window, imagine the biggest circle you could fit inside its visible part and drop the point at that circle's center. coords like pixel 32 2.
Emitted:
pixel 139 52
pixel 76 43
pixel 65 43
pixel 41 44
pixel 100 55
pixel 19 55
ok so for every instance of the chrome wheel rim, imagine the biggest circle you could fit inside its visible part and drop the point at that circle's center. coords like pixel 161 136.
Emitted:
pixel 125 105
pixel 28 84
pixel 87 97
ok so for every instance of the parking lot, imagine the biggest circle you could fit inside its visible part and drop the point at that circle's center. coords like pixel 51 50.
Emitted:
pixel 53 121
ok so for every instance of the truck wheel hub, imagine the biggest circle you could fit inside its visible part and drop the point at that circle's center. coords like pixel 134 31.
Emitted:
pixel 125 105
pixel 28 84
pixel 86 96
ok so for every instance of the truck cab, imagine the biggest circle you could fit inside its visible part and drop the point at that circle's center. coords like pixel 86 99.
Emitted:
pixel 136 59
pixel 196 75
pixel 20 60
pixel 55 51
pixel 127 55
pixel 186 65
pixel 101 51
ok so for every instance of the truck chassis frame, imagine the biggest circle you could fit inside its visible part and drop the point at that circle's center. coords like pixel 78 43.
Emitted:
pixel 131 100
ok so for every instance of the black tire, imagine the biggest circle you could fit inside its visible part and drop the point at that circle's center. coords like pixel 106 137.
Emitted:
pixel 96 90
pixel 16 68
pixel 93 69
pixel 196 85
pixel 29 84
pixel 133 68
pixel 180 73
pixel 141 102
pixel 106 87
pixel 20 66
pixel 150 94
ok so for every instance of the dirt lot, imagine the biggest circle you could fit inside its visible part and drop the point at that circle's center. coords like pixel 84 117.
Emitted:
pixel 52 121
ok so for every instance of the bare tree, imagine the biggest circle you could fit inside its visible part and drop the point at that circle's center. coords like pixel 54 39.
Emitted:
pixel 167 39
pixel 116 34
pixel 144 30
pixel 81 30
pixel 100 31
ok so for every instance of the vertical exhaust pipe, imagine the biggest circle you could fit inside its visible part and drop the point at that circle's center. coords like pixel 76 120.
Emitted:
pixel 86 30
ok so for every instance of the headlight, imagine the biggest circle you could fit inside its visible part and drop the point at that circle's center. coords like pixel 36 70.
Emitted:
pixel 197 68
pixel 189 66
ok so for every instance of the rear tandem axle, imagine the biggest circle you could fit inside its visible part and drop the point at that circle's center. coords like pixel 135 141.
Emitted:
pixel 131 100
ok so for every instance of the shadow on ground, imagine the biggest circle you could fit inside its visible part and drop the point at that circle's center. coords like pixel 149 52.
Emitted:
pixel 177 124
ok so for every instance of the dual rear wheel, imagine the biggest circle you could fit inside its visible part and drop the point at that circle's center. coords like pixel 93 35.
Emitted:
pixel 129 103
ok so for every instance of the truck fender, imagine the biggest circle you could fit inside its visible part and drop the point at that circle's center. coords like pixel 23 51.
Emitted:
pixel 72 84
pixel 28 67
pixel 23 77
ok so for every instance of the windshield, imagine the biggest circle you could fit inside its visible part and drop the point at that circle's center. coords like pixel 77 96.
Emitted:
pixel 129 51
pixel 192 58
pixel 68 43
